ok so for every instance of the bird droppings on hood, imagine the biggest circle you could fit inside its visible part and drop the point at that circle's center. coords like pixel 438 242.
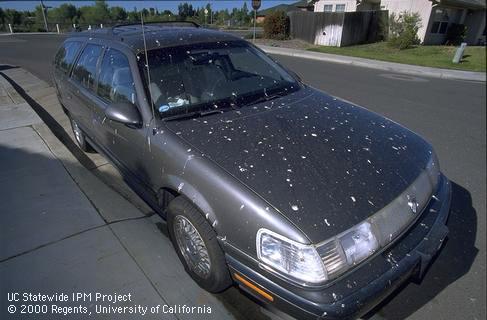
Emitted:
pixel 308 148
pixel 180 187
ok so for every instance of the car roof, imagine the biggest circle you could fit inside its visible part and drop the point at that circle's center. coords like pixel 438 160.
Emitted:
pixel 163 35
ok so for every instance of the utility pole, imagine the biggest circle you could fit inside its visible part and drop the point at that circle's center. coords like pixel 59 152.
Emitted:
pixel 43 8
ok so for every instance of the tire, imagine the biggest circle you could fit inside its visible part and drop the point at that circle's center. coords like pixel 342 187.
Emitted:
pixel 209 272
pixel 80 137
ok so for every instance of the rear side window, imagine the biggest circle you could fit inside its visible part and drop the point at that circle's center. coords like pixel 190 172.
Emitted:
pixel 115 83
pixel 85 69
pixel 66 54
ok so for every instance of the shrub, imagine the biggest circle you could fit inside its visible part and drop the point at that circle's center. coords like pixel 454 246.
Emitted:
pixel 455 34
pixel 403 30
pixel 276 25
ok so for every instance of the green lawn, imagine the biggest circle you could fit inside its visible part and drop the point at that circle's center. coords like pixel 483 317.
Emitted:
pixel 430 56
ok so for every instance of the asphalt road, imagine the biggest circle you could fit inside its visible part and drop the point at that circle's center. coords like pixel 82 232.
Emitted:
pixel 450 114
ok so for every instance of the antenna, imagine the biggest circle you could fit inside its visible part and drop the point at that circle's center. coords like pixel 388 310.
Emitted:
pixel 147 64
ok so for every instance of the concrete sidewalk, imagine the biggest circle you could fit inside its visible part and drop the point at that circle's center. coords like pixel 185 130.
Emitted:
pixel 69 223
pixel 380 65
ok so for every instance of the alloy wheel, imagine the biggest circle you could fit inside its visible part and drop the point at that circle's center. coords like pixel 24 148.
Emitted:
pixel 192 246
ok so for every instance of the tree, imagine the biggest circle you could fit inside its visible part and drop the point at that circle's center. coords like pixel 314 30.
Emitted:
pixel 64 14
pixel 244 15
pixel 133 15
pixel 185 10
pixel 13 17
pixel 404 30
pixel 96 14
pixel 2 19
pixel 276 25
pixel 118 14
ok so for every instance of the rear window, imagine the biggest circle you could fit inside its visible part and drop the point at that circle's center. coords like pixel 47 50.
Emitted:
pixel 85 69
pixel 66 54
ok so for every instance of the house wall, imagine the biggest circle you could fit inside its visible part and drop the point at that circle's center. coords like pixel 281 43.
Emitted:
pixel 423 7
pixel 474 20
pixel 350 5
pixel 475 23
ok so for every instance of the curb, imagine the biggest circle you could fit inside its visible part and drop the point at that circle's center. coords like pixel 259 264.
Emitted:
pixel 379 65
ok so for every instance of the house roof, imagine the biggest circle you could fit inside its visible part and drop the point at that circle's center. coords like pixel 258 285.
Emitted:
pixel 284 7
pixel 469 4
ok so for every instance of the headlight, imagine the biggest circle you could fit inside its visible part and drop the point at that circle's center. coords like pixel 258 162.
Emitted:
pixel 305 265
pixel 295 261
pixel 348 249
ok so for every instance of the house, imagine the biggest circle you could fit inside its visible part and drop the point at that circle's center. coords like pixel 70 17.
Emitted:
pixel 302 5
pixel 260 18
pixel 436 15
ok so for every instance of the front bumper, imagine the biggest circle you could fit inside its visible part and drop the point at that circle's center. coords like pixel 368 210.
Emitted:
pixel 360 290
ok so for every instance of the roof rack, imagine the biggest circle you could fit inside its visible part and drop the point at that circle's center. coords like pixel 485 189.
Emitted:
pixel 176 22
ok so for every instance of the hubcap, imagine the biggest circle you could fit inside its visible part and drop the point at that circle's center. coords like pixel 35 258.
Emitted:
pixel 77 131
pixel 192 247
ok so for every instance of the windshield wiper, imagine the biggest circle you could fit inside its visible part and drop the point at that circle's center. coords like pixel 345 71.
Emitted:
pixel 265 98
pixel 193 114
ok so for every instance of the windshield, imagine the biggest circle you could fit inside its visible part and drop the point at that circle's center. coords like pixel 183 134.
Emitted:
pixel 210 76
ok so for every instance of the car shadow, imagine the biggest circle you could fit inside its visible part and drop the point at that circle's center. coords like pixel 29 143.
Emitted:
pixel 7 67
pixel 452 262
pixel 57 129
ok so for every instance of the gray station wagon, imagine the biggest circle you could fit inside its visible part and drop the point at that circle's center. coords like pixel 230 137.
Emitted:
pixel 316 207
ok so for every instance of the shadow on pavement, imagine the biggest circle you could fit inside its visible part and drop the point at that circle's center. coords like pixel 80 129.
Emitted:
pixel 34 220
pixel 55 127
pixel 6 67
pixel 452 262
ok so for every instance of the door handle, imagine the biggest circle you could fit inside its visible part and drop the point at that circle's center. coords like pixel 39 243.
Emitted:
pixel 68 96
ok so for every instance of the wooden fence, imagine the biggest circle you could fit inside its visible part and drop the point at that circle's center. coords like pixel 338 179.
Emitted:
pixel 339 28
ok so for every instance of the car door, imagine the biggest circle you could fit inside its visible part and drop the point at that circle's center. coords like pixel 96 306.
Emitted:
pixel 126 145
pixel 63 62
pixel 82 85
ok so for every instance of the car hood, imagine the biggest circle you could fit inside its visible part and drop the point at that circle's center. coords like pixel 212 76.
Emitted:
pixel 323 163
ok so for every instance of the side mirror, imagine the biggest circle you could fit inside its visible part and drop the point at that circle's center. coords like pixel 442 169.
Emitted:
pixel 124 112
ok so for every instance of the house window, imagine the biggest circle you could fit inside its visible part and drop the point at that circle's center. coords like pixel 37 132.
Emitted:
pixel 340 8
pixel 328 7
pixel 440 21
